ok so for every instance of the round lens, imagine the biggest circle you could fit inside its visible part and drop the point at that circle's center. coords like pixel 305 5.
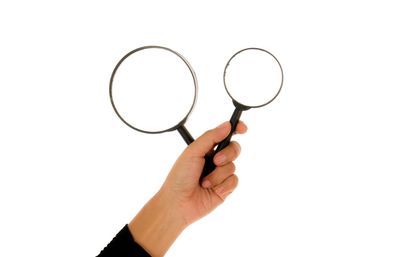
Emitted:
pixel 153 89
pixel 253 77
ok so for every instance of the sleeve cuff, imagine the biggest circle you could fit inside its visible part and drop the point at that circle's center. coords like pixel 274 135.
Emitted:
pixel 123 245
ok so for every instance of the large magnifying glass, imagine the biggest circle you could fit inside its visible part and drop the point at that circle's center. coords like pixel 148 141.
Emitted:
pixel 253 78
pixel 153 89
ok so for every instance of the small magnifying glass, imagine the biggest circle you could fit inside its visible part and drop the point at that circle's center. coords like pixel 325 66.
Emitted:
pixel 253 78
pixel 153 89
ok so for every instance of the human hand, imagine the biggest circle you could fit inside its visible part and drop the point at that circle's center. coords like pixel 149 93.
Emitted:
pixel 183 199
pixel 192 199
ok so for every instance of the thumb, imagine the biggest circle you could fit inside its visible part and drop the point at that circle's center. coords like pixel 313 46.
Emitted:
pixel 201 146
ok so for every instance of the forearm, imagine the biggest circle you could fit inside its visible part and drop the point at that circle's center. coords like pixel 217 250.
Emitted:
pixel 157 225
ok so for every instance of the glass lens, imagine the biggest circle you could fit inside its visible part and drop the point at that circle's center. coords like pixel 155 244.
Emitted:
pixel 153 89
pixel 253 77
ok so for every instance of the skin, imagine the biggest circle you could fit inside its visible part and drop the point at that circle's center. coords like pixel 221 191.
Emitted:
pixel 182 199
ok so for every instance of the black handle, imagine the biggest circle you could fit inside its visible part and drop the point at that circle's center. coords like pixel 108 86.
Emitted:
pixel 209 165
pixel 185 134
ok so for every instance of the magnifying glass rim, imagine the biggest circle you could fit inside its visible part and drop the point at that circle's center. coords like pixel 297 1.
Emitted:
pixel 194 83
pixel 226 88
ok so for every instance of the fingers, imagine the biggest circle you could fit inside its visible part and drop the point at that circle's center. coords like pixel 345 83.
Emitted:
pixel 225 166
pixel 226 187
pixel 228 154
pixel 218 175
pixel 208 140
pixel 241 128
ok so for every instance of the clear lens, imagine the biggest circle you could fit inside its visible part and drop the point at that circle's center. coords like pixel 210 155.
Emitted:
pixel 253 77
pixel 153 89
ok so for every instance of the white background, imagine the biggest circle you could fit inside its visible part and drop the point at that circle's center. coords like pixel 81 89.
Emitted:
pixel 319 170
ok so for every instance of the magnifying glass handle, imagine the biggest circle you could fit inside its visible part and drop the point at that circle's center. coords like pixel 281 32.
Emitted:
pixel 209 165
pixel 234 121
pixel 185 134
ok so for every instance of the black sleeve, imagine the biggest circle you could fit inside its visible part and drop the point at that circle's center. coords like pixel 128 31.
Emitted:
pixel 123 245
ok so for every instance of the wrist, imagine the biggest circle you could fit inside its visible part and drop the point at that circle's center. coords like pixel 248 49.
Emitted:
pixel 157 225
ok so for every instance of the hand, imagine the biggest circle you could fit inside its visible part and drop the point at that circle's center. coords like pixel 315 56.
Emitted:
pixel 183 199
pixel 194 200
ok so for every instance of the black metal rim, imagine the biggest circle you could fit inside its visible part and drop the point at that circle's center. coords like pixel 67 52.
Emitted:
pixel 194 83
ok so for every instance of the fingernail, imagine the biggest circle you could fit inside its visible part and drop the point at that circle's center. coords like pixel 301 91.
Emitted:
pixel 220 159
pixel 206 184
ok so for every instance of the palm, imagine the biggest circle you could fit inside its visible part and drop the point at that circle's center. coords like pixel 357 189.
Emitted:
pixel 194 200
